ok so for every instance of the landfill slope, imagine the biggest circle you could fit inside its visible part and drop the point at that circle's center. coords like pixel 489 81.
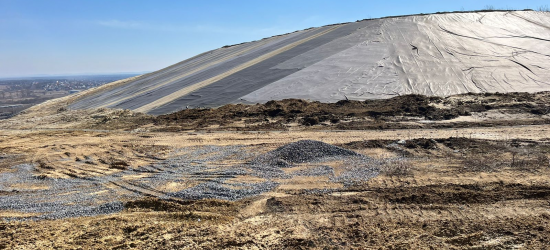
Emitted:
pixel 435 55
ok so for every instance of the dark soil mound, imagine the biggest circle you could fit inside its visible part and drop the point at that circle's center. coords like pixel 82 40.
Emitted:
pixel 421 143
pixel 368 144
pixel 300 152
pixel 368 114
pixel 473 145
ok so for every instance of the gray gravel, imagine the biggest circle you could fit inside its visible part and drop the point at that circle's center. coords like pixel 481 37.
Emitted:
pixel 358 168
pixel 315 171
pixel 61 198
pixel 90 196
pixel 217 190
pixel 301 152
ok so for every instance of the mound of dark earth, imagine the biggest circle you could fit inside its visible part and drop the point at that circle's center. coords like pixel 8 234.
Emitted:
pixel 301 152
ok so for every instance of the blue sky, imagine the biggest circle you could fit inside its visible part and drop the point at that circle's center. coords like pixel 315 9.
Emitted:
pixel 58 37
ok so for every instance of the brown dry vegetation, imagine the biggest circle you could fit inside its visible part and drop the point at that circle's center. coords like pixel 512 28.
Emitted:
pixel 465 184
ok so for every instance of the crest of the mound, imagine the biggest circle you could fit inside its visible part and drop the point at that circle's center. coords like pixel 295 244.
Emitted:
pixel 302 152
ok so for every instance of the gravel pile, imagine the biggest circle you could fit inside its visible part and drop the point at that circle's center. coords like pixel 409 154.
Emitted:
pixel 358 168
pixel 302 152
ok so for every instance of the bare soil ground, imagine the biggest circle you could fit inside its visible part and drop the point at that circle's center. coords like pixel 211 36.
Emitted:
pixel 460 182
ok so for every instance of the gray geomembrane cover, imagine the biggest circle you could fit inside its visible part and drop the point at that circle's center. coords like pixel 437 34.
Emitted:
pixel 439 54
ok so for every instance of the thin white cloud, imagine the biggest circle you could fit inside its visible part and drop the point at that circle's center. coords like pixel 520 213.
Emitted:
pixel 138 25
pixel 123 24
pixel 200 28
pixel 312 20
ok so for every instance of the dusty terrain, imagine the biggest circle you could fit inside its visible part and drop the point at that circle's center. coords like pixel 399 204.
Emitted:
pixel 462 172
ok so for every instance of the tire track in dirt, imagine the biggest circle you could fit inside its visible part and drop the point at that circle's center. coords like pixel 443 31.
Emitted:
pixel 139 189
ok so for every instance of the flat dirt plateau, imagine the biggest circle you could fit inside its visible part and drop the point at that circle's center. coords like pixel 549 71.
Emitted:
pixel 412 172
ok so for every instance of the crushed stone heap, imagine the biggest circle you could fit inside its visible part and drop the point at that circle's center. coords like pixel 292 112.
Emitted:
pixel 301 152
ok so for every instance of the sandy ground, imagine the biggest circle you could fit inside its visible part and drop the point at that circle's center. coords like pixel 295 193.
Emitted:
pixel 437 203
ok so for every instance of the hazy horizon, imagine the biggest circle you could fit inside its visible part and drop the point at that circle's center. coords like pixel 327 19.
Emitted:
pixel 41 76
